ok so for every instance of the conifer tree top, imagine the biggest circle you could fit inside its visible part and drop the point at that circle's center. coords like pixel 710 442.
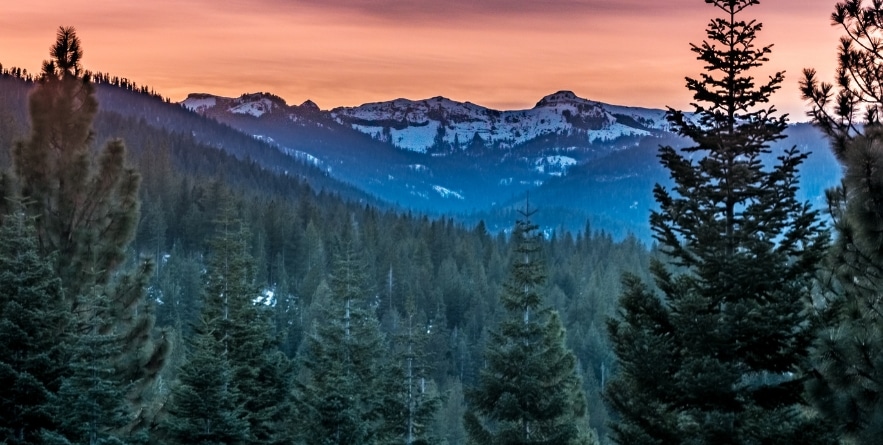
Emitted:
pixel 66 54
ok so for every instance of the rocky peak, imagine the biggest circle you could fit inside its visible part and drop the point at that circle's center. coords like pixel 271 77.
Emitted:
pixel 559 98
pixel 309 105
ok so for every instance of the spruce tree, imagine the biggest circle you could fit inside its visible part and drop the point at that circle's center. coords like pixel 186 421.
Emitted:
pixel 342 398
pixel 848 353
pixel 720 356
pixel 33 319
pixel 529 391
pixel 85 209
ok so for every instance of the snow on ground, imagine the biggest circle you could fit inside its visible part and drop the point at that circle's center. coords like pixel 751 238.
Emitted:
pixel 447 193
pixel 266 298
pixel 266 139
pixel 463 121
pixel 417 138
pixel 651 118
pixel 554 165
pixel 615 131
pixel 199 102
pixel 374 132
pixel 255 108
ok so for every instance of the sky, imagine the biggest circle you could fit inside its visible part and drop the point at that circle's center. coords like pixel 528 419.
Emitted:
pixel 502 54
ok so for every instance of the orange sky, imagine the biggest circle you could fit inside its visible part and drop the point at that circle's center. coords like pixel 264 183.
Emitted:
pixel 504 54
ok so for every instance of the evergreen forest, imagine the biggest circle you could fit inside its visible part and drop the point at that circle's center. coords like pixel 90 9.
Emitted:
pixel 156 289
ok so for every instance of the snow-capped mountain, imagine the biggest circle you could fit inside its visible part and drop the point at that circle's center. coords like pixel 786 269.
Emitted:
pixel 583 158
pixel 251 104
pixel 438 154
pixel 439 123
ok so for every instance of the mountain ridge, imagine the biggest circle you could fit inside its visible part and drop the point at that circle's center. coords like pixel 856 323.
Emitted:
pixel 439 123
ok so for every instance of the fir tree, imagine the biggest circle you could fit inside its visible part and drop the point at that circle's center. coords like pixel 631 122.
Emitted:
pixel 205 407
pixel 721 357
pixel 86 209
pixel 848 354
pixel 258 372
pixel 33 319
pixel 529 391
pixel 345 374
pixel 415 400
pixel 91 403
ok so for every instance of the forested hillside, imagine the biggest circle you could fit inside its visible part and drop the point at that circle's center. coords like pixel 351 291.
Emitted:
pixel 421 277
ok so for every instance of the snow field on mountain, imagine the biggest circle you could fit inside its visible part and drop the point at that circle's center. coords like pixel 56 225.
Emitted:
pixel 199 103
pixel 415 125
pixel 255 108
pixel 554 165
pixel 447 193
pixel 614 131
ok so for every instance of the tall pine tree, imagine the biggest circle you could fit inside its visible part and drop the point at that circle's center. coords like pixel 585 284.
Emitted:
pixel 848 355
pixel 260 369
pixel 529 391
pixel 721 357
pixel 85 209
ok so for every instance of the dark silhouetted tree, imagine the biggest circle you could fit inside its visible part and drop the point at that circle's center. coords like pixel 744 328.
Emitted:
pixel 85 209
pixel 848 356
pixel 721 357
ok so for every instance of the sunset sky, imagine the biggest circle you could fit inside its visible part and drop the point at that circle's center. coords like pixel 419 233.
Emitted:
pixel 503 54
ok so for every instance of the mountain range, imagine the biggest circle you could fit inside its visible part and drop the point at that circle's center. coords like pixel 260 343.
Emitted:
pixel 574 159
pixel 578 160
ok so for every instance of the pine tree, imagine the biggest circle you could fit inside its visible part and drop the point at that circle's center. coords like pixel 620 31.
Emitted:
pixel 529 391
pixel 33 318
pixel 85 209
pixel 848 353
pixel 345 370
pixel 721 357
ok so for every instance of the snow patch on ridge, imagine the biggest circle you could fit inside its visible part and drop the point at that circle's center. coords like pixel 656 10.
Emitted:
pixel 199 102
pixel 615 131
pixel 255 108
pixel 554 165
pixel 447 193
